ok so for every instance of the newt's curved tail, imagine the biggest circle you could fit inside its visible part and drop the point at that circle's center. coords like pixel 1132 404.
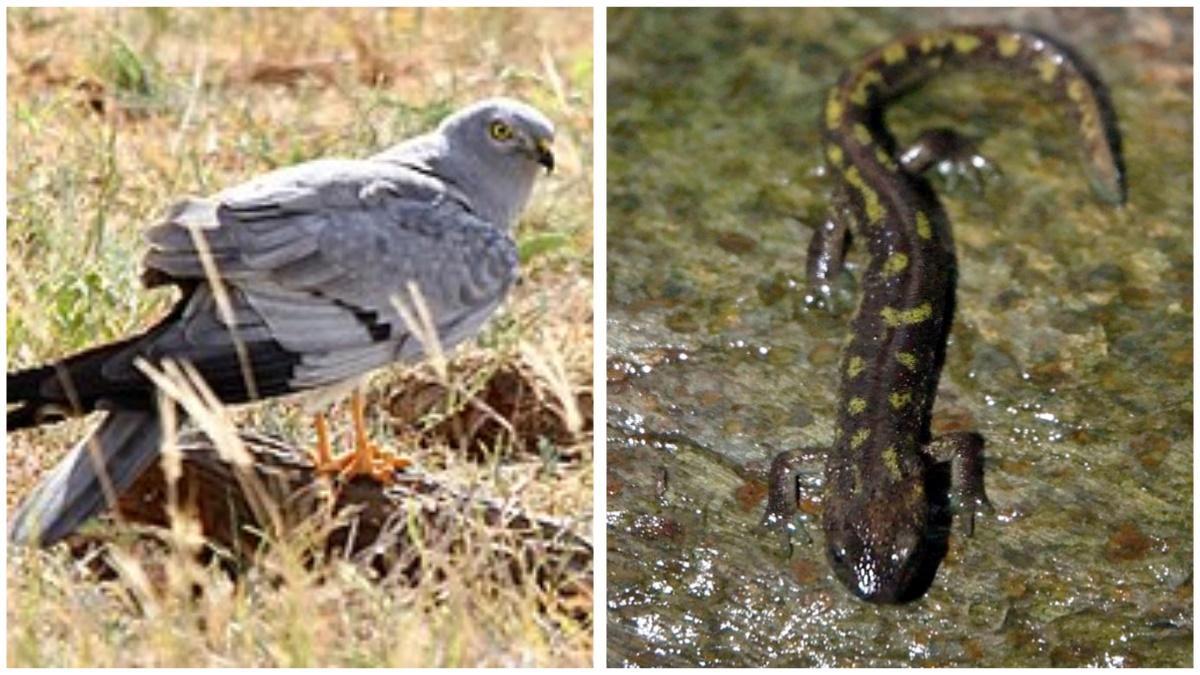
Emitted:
pixel 853 107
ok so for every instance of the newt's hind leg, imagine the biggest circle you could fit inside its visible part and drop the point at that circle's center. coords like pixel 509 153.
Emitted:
pixel 827 249
pixel 952 155
pixel 964 451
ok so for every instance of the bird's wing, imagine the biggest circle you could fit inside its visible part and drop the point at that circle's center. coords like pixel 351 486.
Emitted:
pixel 322 253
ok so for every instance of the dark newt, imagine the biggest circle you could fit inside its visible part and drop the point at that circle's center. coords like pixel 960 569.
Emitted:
pixel 877 513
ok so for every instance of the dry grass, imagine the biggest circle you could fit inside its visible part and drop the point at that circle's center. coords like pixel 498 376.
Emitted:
pixel 112 115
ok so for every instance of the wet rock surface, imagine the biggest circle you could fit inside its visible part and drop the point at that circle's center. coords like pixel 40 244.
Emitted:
pixel 1070 352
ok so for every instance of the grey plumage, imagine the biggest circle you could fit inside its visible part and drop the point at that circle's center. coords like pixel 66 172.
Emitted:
pixel 125 444
pixel 313 258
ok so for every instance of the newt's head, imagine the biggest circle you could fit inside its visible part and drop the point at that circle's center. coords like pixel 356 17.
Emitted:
pixel 876 537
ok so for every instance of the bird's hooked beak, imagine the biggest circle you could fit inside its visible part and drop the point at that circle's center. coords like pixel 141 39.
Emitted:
pixel 544 155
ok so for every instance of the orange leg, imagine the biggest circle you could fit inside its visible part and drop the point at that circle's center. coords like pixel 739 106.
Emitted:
pixel 365 459
pixel 364 449
pixel 322 456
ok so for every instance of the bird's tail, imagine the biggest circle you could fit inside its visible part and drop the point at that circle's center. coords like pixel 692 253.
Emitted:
pixel 22 390
pixel 103 465
pixel 74 385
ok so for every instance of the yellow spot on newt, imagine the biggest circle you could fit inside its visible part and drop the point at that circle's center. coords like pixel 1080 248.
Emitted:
pixel 906 317
pixel 895 263
pixel 894 53
pixel 924 230
pixel 892 461
pixel 856 405
pixel 1048 68
pixel 835 155
pixel 965 43
pixel 907 359
pixel 899 399
pixel 859 438
pixel 914 496
pixel 854 366
pixel 862 134
pixel 833 112
pixel 1008 45
pixel 865 80
pixel 885 159
pixel 933 41
pixel 871 202
pixel 1076 90
pixel 1088 122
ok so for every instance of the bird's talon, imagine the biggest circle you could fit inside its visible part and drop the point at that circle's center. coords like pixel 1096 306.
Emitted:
pixel 377 464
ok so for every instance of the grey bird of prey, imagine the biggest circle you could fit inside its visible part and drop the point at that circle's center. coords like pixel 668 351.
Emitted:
pixel 313 258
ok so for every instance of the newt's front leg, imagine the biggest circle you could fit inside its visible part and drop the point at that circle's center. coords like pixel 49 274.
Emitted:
pixel 783 492
pixel 964 451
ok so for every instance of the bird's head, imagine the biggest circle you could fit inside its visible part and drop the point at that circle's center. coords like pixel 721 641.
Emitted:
pixel 494 150
pixel 506 134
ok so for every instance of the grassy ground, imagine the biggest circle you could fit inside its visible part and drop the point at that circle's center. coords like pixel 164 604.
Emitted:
pixel 111 116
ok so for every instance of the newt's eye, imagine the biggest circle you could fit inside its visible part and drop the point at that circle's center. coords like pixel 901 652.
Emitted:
pixel 500 131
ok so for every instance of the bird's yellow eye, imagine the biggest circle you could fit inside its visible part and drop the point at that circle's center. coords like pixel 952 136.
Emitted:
pixel 500 131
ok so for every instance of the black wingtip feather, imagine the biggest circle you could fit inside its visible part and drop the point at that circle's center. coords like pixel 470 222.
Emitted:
pixel 23 391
